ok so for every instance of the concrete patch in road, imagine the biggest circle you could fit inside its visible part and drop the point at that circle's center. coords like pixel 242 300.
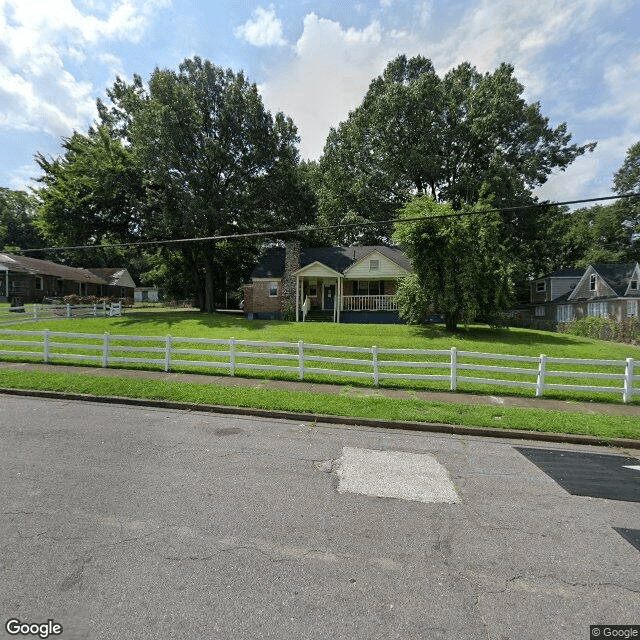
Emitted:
pixel 394 474
pixel 595 475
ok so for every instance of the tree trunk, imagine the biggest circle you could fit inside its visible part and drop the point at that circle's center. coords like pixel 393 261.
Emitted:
pixel 209 286
pixel 451 321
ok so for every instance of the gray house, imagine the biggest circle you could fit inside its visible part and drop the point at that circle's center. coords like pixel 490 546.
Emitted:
pixel 604 290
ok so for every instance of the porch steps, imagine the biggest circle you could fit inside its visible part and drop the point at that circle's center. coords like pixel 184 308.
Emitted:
pixel 317 315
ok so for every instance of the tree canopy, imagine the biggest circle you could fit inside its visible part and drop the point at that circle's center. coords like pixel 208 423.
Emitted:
pixel 450 138
pixel 192 153
pixel 18 216
pixel 460 266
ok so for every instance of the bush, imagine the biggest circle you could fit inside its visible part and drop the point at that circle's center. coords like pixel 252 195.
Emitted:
pixel 626 330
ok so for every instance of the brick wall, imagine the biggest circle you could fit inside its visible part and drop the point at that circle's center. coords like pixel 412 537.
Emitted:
pixel 258 300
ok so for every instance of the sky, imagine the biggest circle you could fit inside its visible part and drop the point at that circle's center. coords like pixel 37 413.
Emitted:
pixel 314 60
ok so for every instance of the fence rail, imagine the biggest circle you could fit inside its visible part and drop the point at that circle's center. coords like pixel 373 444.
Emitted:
pixel 17 315
pixel 373 363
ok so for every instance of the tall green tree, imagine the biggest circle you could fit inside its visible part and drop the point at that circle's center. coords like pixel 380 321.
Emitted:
pixel 90 195
pixel 18 216
pixel 461 268
pixel 451 138
pixel 627 180
pixel 214 162
pixel 603 232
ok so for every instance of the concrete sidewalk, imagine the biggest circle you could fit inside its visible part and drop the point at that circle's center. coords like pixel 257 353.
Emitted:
pixel 310 387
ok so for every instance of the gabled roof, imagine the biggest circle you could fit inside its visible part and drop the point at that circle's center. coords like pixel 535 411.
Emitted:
pixel 336 258
pixel 565 273
pixel 115 277
pixel 617 276
pixel 35 266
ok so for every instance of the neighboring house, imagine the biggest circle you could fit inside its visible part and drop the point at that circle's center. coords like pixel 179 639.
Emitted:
pixel 349 284
pixel 24 279
pixel 606 290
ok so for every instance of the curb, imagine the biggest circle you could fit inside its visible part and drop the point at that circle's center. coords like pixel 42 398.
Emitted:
pixel 427 427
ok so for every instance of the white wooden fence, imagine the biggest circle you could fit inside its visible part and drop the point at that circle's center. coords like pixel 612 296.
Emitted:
pixel 16 315
pixel 372 363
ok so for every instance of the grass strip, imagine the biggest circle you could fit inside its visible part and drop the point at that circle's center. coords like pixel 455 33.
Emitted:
pixel 605 427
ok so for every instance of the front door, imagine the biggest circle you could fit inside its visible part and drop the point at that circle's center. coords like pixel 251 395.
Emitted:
pixel 329 296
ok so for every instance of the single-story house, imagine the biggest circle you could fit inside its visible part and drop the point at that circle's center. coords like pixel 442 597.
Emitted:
pixel 347 284
pixel 606 290
pixel 24 279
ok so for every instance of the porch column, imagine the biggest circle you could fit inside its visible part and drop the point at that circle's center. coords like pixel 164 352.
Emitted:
pixel 339 300
pixel 297 297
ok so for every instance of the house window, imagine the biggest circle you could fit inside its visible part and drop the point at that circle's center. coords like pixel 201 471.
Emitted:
pixel 592 282
pixel 374 265
pixel 633 285
pixel 541 311
pixel 564 313
pixel 39 283
pixel 598 309
pixel 59 285
pixel 368 288
pixel 541 286
pixel 313 289
pixel 632 308
pixel 273 289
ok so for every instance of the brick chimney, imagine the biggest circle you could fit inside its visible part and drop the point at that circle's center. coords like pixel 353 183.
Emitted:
pixel 291 265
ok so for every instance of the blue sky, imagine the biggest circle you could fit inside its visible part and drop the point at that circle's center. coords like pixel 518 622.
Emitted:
pixel 314 59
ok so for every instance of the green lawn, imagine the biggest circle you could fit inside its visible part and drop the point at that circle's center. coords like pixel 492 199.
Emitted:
pixel 151 322
pixel 605 427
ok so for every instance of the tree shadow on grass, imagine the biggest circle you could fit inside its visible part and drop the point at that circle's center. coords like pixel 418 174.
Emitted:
pixel 485 334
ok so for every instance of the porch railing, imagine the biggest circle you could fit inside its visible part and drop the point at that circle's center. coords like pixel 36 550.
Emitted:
pixel 369 303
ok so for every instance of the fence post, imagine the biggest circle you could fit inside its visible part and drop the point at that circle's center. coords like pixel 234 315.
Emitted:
pixel 68 310
pixel 104 308
pixel 45 346
pixel 454 368
pixel 105 350
pixel 232 357
pixel 301 358
pixel 35 311
pixel 95 310
pixel 542 367
pixel 167 353
pixel 376 372
pixel 627 394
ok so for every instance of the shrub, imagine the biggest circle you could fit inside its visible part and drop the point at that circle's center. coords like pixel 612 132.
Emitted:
pixel 626 330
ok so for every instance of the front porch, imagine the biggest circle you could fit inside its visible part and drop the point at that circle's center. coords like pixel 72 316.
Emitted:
pixel 327 295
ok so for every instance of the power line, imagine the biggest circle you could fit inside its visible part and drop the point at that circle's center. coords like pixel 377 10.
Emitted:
pixel 265 234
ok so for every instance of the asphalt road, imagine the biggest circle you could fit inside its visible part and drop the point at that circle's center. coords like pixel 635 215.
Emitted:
pixel 121 522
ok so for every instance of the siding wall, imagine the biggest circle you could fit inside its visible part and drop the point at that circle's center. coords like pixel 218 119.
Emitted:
pixel 388 269
pixel 583 290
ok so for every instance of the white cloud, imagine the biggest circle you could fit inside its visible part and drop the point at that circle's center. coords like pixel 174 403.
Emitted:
pixel 624 93
pixel 38 40
pixel 327 75
pixel 591 175
pixel 493 31
pixel 264 30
